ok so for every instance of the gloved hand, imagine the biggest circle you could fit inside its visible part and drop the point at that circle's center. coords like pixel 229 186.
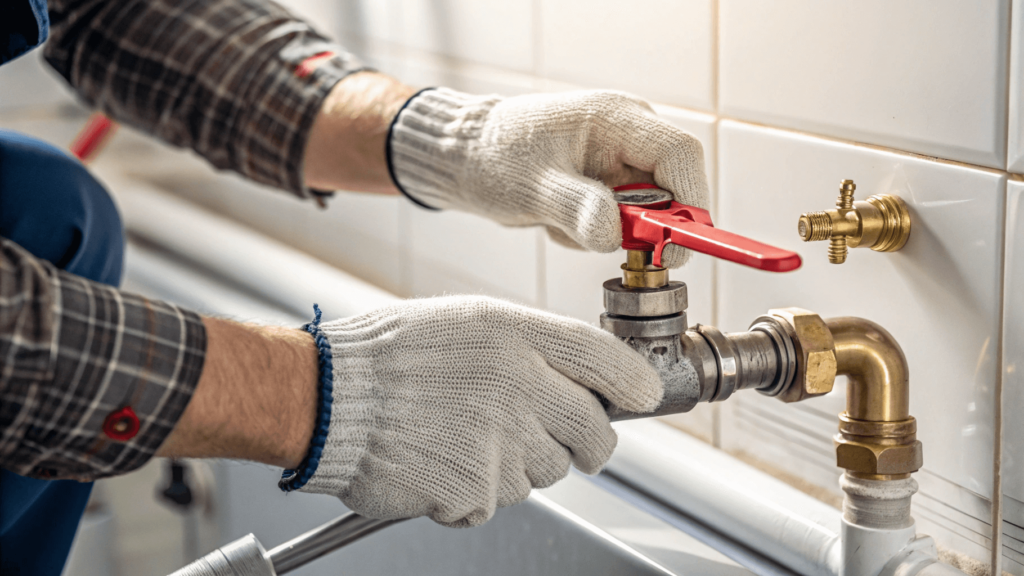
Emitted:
pixel 451 407
pixel 542 158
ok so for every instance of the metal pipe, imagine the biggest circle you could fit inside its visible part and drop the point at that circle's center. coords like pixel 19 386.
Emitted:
pixel 878 388
pixel 877 437
pixel 323 540
pixel 289 278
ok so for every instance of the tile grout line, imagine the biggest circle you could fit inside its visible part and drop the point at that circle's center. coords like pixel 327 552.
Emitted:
pixel 996 564
pixel 997 448
pixel 715 56
pixel 453 63
pixel 716 410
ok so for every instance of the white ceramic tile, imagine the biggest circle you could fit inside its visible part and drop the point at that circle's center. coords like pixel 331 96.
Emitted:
pixel 422 70
pixel 939 296
pixel 452 252
pixel 956 517
pixel 494 32
pixel 659 50
pixel 925 76
pixel 358 233
pixel 1015 128
pixel 1013 366
pixel 1013 535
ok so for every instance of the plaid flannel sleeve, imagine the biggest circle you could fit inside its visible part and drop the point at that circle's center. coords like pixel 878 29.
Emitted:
pixel 238 81
pixel 72 352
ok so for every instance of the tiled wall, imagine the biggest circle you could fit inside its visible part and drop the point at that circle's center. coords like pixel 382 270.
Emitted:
pixel 789 98
pixel 921 98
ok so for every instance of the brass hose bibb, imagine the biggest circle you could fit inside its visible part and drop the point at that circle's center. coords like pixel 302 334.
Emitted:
pixel 882 223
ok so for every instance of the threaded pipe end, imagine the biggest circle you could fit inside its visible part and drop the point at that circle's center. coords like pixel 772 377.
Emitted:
pixel 837 250
pixel 814 226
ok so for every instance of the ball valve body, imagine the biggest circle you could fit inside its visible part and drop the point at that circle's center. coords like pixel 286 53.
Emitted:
pixel 702 364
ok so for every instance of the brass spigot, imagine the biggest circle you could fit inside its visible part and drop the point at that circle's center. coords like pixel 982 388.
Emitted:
pixel 881 223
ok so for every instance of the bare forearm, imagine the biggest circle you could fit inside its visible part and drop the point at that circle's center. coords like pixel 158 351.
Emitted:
pixel 256 398
pixel 346 146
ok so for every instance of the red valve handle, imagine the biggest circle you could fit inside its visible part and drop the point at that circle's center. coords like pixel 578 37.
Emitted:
pixel 650 227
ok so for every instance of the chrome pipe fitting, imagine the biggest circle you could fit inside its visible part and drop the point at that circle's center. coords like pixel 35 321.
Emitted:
pixel 702 364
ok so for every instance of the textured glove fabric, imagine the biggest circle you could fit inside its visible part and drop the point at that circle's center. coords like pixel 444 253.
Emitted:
pixel 540 159
pixel 451 407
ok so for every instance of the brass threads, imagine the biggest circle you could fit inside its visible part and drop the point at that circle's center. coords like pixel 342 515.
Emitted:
pixel 882 223
pixel 896 222
pixel 815 226
pixel 837 250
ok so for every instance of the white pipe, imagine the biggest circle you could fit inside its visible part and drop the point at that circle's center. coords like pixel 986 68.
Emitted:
pixel 283 275
pixel 771 517
pixel 739 501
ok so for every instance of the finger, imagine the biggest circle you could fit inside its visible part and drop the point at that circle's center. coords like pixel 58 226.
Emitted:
pixel 574 417
pixel 548 460
pixel 675 256
pixel 674 156
pixel 460 511
pixel 475 518
pixel 514 486
pixel 583 208
pixel 596 360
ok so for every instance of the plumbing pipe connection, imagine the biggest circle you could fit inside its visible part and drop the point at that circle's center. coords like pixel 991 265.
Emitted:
pixel 877 437
pixel 790 354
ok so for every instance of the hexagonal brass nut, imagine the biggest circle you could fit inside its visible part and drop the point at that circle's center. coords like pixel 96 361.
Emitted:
pixel 815 352
pixel 874 459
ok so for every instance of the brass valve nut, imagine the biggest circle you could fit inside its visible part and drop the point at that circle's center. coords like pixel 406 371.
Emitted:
pixel 878 449
pixel 876 460
pixel 815 354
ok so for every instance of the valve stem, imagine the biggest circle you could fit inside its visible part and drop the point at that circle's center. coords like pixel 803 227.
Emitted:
pixel 846 190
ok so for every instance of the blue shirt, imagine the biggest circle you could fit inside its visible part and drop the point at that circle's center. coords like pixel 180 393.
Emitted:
pixel 24 24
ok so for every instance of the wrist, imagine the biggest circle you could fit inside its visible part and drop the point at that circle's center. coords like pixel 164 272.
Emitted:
pixel 346 145
pixel 256 397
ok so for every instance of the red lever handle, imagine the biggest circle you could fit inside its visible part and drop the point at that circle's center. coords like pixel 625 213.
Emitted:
pixel 650 227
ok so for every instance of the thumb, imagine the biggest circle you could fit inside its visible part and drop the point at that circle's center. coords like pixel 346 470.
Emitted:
pixel 583 209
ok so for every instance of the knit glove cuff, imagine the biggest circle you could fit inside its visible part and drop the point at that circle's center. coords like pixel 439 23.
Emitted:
pixel 352 412
pixel 430 142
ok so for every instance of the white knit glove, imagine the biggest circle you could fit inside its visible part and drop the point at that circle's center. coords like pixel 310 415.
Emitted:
pixel 450 407
pixel 541 159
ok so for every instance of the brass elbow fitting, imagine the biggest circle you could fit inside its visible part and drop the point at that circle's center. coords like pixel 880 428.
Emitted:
pixel 882 223
pixel 877 437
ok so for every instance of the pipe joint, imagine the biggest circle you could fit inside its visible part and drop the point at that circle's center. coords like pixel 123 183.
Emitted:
pixel 877 437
